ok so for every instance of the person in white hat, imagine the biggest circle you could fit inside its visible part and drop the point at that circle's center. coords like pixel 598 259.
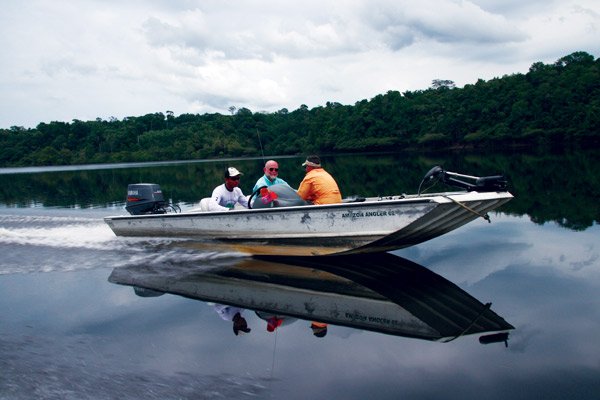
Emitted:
pixel 234 314
pixel 227 195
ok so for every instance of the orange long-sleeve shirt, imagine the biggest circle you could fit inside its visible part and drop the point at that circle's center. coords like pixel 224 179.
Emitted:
pixel 319 187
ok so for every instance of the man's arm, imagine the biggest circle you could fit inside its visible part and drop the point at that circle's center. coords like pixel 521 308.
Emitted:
pixel 304 189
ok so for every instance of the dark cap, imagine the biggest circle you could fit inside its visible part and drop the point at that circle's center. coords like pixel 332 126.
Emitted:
pixel 237 330
pixel 240 324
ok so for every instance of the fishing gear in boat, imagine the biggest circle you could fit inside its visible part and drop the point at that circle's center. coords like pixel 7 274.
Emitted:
pixel 147 198
pixel 278 195
pixel 494 183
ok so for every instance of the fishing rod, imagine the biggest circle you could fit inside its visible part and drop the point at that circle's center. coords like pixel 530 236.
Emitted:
pixel 260 144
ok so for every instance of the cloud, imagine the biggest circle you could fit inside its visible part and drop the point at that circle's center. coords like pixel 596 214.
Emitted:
pixel 140 57
pixel 240 37
pixel 358 28
pixel 446 22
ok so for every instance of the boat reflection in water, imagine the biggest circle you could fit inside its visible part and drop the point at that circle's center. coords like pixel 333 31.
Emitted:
pixel 376 292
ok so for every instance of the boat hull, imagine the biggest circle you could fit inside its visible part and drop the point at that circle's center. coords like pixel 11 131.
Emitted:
pixel 376 292
pixel 358 227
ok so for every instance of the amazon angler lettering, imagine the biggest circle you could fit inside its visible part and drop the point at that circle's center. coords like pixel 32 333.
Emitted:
pixel 360 214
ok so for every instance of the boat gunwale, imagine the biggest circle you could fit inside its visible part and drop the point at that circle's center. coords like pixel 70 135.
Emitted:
pixel 386 200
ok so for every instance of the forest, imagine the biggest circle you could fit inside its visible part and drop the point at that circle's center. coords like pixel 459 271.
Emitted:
pixel 554 104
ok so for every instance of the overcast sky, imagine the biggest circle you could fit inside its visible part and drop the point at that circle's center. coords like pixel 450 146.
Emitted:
pixel 64 60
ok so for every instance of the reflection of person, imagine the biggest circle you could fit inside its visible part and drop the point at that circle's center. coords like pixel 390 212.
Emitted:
pixel 271 176
pixel 274 321
pixel 318 186
pixel 319 329
pixel 234 314
pixel 227 195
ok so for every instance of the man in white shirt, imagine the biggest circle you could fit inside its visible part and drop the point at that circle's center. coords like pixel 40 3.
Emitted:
pixel 227 195
pixel 234 314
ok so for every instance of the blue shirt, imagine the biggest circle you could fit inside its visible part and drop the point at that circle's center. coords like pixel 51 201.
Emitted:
pixel 264 181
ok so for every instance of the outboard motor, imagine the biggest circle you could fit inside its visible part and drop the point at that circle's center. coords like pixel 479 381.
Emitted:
pixel 145 198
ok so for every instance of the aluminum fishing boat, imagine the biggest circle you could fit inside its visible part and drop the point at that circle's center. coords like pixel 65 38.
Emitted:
pixel 360 225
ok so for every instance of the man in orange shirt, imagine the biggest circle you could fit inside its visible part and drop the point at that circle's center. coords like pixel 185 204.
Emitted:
pixel 318 186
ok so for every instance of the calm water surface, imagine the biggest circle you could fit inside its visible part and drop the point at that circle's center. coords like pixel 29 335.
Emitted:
pixel 67 332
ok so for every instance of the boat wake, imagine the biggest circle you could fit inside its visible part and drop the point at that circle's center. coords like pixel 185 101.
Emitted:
pixel 61 232
pixel 42 243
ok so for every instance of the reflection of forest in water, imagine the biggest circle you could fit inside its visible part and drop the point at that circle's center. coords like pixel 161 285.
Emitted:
pixel 563 188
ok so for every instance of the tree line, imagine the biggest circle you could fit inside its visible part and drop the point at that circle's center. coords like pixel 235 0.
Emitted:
pixel 554 104
pixel 548 185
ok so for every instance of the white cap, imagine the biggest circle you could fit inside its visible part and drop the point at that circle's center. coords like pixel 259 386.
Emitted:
pixel 231 171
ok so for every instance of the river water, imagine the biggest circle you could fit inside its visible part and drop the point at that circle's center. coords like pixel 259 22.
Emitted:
pixel 74 323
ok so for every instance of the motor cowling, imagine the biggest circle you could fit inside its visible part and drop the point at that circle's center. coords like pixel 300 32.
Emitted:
pixel 145 198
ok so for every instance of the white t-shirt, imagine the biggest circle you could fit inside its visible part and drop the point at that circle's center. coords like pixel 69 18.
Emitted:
pixel 227 312
pixel 223 200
